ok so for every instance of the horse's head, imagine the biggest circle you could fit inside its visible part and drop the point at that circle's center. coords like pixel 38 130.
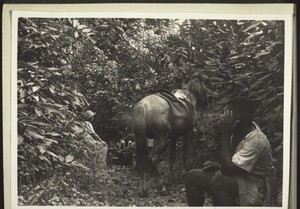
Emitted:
pixel 196 87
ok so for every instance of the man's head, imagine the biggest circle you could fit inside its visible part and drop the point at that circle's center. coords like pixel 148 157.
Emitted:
pixel 88 115
pixel 243 108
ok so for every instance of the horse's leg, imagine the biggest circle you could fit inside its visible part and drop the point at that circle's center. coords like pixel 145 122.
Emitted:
pixel 159 146
pixel 140 132
pixel 186 139
pixel 172 158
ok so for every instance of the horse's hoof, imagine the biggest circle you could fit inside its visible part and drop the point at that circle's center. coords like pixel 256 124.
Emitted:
pixel 170 181
pixel 143 193
pixel 164 191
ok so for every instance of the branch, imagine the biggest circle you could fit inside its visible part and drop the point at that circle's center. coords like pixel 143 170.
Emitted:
pixel 41 193
pixel 28 95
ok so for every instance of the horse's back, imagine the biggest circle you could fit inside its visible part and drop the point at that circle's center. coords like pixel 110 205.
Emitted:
pixel 154 112
pixel 155 104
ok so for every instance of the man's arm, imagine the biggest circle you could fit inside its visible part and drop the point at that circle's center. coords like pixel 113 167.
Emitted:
pixel 93 133
pixel 95 136
pixel 227 166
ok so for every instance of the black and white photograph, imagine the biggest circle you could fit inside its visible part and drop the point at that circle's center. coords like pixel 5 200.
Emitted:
pixel 150 109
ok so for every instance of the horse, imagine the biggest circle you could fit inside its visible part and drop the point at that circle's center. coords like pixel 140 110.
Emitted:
pixel 154 118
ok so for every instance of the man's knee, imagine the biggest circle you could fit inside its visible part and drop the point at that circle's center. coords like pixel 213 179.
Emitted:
pixel 192 175
pixel 216 182
pixel 222 182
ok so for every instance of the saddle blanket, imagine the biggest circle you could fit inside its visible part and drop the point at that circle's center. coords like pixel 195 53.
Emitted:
pixel 180 108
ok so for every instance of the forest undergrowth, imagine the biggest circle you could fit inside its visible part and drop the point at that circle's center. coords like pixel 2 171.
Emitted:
pixel 112 185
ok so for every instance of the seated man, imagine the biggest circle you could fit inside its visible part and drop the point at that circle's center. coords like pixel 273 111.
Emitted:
pixel 241 177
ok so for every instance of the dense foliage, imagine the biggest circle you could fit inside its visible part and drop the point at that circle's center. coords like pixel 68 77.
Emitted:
pixel 66 66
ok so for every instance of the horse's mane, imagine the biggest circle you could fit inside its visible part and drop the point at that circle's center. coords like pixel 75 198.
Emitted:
pixel 197 89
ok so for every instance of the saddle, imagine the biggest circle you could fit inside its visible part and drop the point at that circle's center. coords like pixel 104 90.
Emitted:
pixel 180 108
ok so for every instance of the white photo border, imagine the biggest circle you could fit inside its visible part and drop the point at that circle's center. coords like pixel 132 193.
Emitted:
pixel 218 12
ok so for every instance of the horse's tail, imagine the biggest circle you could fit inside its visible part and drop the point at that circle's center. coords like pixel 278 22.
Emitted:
pixel 139 130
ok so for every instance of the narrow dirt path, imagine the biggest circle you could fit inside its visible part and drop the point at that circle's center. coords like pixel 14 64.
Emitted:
pixel 125 184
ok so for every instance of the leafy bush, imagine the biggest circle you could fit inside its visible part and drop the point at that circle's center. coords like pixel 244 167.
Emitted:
pixel 51 138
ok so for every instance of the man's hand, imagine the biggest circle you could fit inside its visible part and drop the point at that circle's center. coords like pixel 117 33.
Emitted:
pixel 97 138
pixel 210 166
pixel 104 143
pixel 227 124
